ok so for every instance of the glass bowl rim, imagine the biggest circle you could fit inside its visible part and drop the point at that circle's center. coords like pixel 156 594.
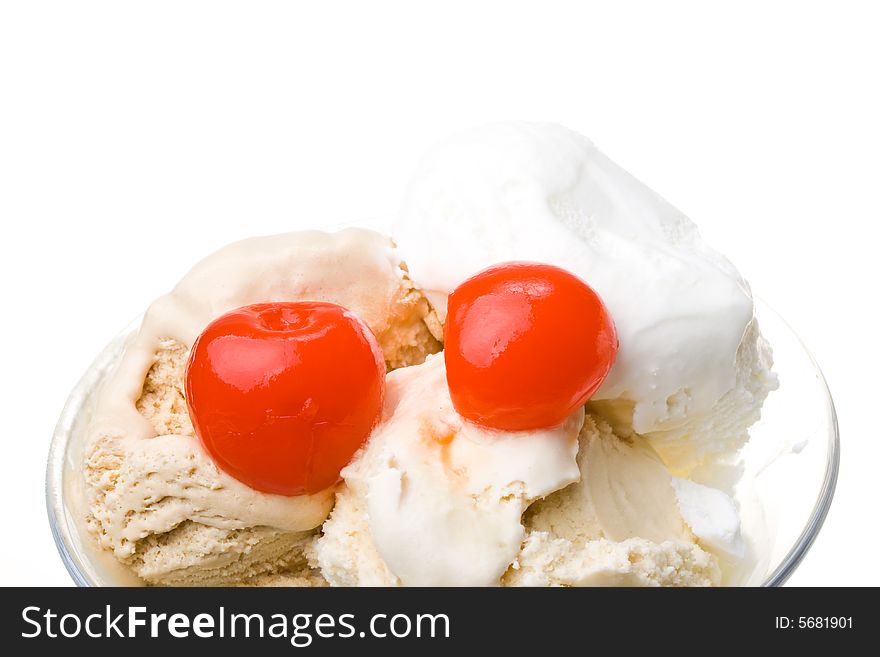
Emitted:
pixel 807 537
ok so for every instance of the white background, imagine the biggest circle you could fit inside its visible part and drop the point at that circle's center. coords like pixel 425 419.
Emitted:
pixel 137 137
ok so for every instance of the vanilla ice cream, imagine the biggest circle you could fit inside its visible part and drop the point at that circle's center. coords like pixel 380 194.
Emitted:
pixel 432 500
pixel 624 523
pixel 155 498
pixel 692 369
pixel 441 499
pixel 624 492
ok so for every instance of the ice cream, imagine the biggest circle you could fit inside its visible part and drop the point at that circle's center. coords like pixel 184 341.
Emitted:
pixel 623 492
pixel 619 525
pixel 441 499
pixel 692 369
pixel 155 498
pixel 434 501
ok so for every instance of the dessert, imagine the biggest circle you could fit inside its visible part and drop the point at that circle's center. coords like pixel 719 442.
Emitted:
pixel 155 497
pixel 692 370
pixel 570 373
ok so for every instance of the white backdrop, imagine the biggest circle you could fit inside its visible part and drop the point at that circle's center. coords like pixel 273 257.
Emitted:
pixel 137 137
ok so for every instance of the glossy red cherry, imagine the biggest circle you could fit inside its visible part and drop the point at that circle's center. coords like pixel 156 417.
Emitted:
pixel 283 394
pixel 526 345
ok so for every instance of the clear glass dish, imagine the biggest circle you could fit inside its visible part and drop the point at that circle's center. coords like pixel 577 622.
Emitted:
pixel 789 468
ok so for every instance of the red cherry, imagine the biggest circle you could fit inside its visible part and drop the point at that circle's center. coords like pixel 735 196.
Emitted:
pixel 283 394
pixel 526 345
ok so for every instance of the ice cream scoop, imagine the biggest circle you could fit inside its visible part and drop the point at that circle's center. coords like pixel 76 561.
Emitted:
pixel 539 192
pixel 155 497
pixel 441 498
pixel 435 501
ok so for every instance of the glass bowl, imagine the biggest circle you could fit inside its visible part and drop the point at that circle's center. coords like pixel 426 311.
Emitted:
pixel 789 468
